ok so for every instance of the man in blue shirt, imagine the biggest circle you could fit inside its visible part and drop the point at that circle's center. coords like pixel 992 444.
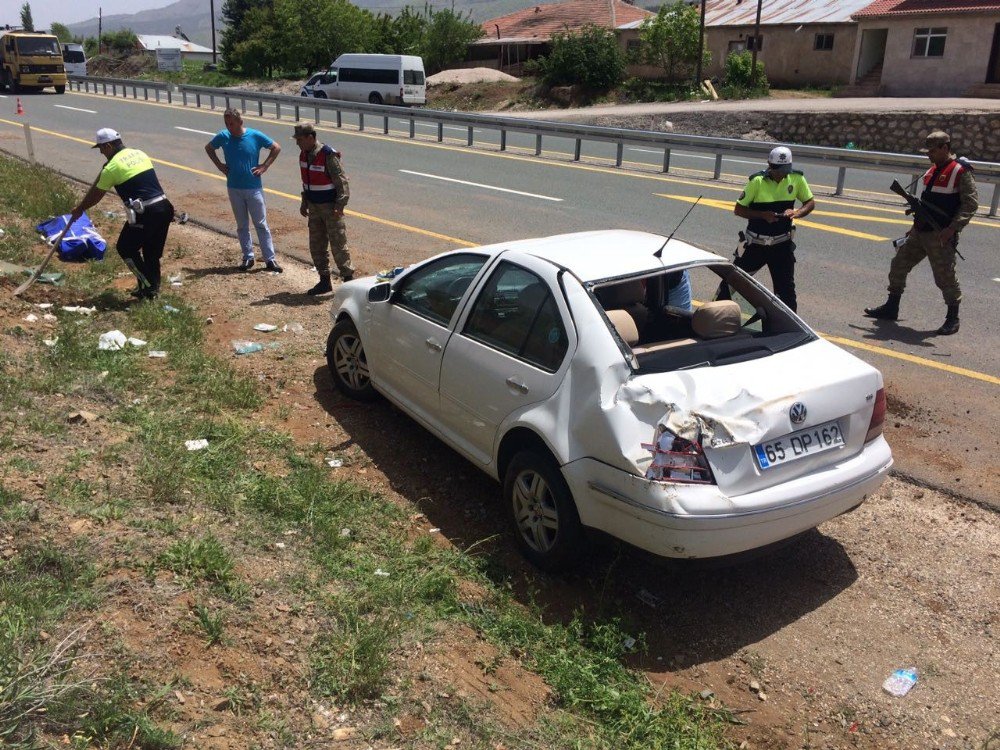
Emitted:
pixel 241 147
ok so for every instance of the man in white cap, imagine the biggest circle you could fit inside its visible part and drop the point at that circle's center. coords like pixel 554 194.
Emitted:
pixel 148 212
pixel 768 204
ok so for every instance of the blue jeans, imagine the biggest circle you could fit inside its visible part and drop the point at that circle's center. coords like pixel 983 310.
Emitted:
pixel 248 205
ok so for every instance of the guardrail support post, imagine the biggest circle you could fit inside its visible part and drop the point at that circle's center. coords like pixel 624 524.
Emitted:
pixel 385 124
pixel 995 203
pixel 114 89
pixel 211 101
pixel 243 104
pixel 134 94
pixel 361 121
pixel 277 110
pixel 619 153
pixel 666 160
pixel 296 113
pixel 340 121
pixel 316 112
pixel 538 144
pixel 145 93
pixel 413 128
pixel 718 166
pixel 468 140
pixel 503 140
pixel 197 100
pixel 227 101
pixel 576 149
pixel 440 132
pixel 841 179
pixel 105 85
pixel 170 96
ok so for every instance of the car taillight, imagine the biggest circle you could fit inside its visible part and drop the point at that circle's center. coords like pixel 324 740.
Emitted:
pixel 676 459
pixel 878 416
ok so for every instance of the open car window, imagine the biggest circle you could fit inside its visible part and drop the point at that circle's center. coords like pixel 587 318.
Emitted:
pixel 433 291
pixel 703 315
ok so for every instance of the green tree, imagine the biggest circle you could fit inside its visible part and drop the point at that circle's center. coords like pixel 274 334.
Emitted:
pixel 448 37
pixel 591 58
pixel 739 80
pixel 239 28
pixel 61 32
pixel 120 43
pixel 27 23
pixel 669 40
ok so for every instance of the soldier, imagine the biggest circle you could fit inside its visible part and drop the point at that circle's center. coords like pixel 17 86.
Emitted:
pixel 768 204
pixel 950 187
pixel 130 172
pixel 325 193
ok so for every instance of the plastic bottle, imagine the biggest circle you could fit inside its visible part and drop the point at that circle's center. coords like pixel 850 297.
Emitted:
pixel 900 682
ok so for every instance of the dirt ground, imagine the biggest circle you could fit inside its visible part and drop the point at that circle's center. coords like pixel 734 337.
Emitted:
pixel 798 642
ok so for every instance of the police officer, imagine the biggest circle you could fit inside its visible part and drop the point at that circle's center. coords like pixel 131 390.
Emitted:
pixel 148 212
pixel 768 204
pixel 950 187
pixel 325 193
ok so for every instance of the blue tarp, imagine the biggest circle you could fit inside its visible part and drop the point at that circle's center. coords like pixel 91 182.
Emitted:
pixel 81 243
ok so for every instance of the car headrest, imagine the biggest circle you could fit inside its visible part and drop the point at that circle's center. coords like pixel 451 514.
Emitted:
pixel 622 295
pixel 714 320
pixel 625 325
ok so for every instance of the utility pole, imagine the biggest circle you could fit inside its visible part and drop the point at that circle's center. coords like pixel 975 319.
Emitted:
pixel 701 44
pixel 756 44
pixel 211 5
pixel 99 21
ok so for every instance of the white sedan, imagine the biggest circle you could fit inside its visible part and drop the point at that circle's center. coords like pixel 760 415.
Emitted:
pixel 620 382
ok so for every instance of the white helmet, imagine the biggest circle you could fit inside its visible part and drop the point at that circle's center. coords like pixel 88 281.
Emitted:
pixel 780 157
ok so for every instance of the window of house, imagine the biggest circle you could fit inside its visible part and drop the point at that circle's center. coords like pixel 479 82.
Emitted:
pixel 737 46
pixel 823 42
pixel 632 45
pixel 755 42
pixel 929 42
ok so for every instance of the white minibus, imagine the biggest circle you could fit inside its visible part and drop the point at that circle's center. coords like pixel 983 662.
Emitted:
pixel 376 79
pixel 74 59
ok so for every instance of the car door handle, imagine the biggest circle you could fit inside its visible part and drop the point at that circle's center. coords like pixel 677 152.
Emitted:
pixel 517 385
pixel 433 345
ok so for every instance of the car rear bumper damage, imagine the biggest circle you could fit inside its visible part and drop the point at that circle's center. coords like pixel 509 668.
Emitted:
pixel 650 515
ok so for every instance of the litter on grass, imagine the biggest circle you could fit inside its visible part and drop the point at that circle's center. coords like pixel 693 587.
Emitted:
pixel 334 463
pixel 44 305
pixel 112 341
pixel 246 347
pixel 171 309
pixel 292 328
pixel 51 342
pixel 157 354
pixel 79 309
pixel 265 327
pixel 136 342
pixel 30 318
pixel 49 316
pixel 196 445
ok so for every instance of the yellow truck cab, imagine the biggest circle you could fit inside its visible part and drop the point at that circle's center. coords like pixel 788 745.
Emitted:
pixel 31 62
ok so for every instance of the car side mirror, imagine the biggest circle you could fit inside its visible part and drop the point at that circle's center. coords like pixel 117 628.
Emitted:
pixel 380 292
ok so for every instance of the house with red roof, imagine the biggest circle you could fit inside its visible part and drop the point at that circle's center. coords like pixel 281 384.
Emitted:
pixel 927 48
pixel 523 35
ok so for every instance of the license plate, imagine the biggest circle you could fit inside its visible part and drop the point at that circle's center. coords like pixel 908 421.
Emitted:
pixel 796 445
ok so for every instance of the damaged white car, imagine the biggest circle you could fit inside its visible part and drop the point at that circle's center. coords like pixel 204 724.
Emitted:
pixel 620 382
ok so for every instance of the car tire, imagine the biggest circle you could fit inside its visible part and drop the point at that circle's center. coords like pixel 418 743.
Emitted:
pixel 374 98
pixel 60 89
pixel 542 512
pixel 320 95
pixel 345 356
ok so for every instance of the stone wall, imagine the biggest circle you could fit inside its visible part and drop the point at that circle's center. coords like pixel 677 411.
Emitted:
pixel 974 136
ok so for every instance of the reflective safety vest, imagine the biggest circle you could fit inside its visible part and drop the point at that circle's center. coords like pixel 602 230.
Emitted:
pixel 317 187
pixel 942 189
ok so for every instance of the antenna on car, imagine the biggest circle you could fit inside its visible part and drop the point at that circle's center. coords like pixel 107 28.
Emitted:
pixel 659 253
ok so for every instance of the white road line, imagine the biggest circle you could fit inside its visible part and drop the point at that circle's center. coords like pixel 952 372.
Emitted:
pixel 485 187
pixel 192 130
pixel 76 109
pixel 997 280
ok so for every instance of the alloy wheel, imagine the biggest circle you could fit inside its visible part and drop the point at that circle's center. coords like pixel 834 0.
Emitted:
pixel 535 511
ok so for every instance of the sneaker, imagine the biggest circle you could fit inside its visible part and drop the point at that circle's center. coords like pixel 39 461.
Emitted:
pixel 272 265
pixel 247 264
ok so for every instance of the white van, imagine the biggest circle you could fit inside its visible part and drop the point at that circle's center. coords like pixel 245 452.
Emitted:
pixel 376 79
pixel 74 59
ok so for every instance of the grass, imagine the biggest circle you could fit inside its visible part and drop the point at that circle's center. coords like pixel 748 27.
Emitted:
pixel 374 594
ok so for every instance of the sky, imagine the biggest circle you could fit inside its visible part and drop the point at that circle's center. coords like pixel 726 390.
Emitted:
pixel 44 12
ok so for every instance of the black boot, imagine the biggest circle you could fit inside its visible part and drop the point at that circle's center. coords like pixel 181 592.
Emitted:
pixel 888 311
pixel 323 286
pixel 950 321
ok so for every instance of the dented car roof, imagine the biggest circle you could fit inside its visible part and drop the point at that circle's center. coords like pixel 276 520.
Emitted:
pixel 593 256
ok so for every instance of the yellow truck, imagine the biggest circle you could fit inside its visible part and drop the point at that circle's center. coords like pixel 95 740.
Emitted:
pixel 31 62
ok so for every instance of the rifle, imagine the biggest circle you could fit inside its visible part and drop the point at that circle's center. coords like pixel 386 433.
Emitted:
pixel 923 211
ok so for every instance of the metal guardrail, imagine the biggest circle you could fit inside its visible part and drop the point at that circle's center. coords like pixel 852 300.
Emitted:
pixel 840 158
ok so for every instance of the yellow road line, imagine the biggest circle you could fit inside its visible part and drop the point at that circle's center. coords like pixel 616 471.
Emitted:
pixel 719 204
pixel 727 206
pixel 914 359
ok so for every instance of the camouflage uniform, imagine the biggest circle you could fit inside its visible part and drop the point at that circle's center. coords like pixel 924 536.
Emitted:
pixel 327 228
pixel 921 243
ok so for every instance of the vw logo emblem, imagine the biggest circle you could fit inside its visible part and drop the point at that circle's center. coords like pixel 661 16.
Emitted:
pixel 797 413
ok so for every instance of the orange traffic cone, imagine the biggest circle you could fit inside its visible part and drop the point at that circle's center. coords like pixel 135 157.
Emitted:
pixel 20 108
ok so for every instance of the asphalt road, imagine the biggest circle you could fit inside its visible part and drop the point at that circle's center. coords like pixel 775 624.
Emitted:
pixel 414 198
